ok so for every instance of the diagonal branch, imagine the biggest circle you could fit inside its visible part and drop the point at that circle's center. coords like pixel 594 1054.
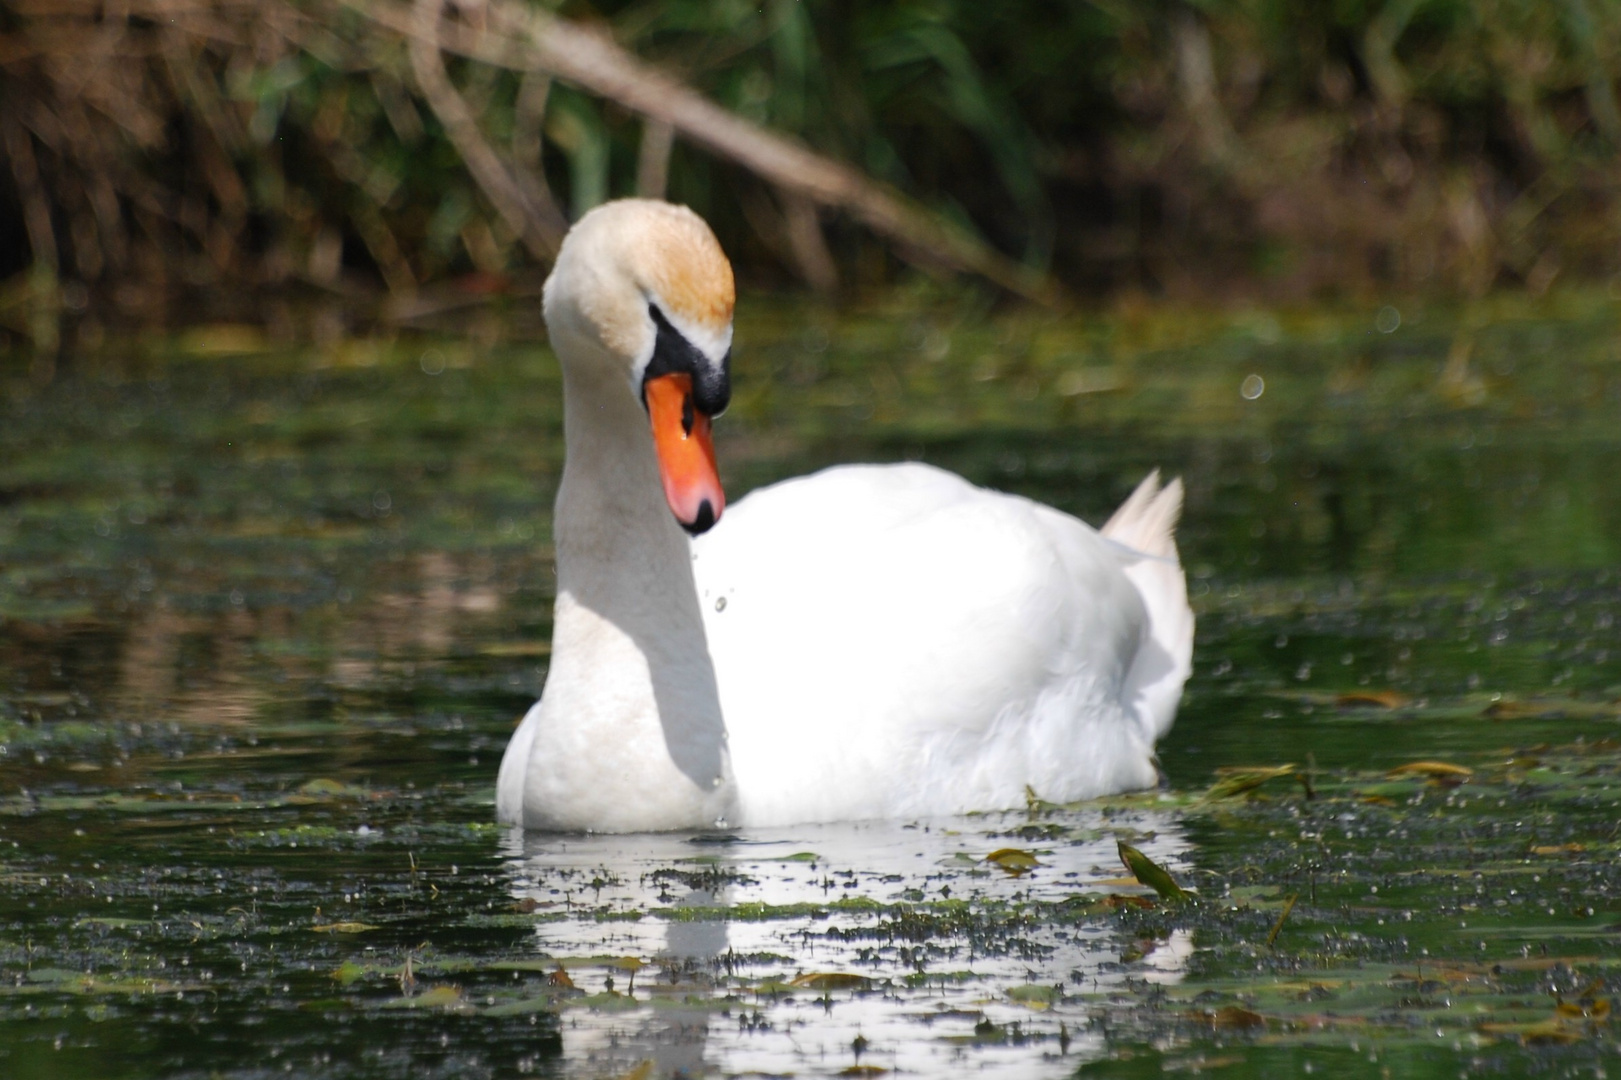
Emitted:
pixel 524 39
pixel 538 223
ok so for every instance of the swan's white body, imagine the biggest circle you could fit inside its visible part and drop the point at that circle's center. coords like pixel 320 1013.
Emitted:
pixel 869 641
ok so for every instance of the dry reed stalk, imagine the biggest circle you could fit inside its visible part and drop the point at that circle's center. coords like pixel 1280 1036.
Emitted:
pixel 525 39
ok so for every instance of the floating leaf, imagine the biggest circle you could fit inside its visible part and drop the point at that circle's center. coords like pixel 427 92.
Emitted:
pixel 1150 873
pixel 1436 770
pixel 862 1070
pixel 1033 996
pixel 1232 1016
pixel 1238 781
pixel 349 972
pixel 1584 1010
pixel 1382 699
pixel 800 856
pixel 1558 849
pixel 343 928
pixel 1015 861
pixel 439 997
pixel 831 980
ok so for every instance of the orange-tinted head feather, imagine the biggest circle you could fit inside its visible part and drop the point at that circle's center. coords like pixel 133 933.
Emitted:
pixel 621 254
pixel 687 269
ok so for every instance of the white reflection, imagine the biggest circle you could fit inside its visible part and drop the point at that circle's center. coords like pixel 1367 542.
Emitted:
pixel 727 923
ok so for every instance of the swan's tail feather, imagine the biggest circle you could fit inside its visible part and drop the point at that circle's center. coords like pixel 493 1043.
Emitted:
pixel 1146 522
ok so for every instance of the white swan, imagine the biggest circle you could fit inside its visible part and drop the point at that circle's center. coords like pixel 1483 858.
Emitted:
pixel 869 641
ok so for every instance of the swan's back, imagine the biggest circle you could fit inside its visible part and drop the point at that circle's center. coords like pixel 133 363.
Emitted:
pixel 892 640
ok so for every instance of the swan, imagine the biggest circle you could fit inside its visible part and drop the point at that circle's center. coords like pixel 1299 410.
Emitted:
pixel 870 641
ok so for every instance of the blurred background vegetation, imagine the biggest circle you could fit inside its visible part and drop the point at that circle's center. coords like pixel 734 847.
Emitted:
pixel 166 154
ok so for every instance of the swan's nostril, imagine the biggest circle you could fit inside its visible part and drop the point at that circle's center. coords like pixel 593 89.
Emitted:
pixel 704 521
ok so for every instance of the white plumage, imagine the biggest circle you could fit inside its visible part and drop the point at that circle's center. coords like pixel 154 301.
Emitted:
pixel 868 641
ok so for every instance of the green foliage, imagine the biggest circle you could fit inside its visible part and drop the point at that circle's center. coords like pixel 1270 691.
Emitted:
pixel 1248 144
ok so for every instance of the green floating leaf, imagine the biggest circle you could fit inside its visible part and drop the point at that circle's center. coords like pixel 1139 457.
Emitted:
pixel 343 928
pixel 449 998
pixel 1150 873
pixel 349 972
pixel 1035 997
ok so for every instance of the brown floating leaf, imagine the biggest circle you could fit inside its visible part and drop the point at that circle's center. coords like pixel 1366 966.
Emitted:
pixel 1383 699
pixel 1558 849
pixel 639 1072
pixel 1116 901
pixel 831 980
pixel 1231 1016
pixel 862 1070
pixel 1014 860
pixel 1434 769
pixel 560 978
pixel 1150 873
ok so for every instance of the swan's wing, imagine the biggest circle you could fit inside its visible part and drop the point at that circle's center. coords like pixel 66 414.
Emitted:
pixel 866 615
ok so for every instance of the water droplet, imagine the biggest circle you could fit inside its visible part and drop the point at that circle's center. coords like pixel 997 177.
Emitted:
pixel 1252 387
pixel 720 604
pixel 1387 320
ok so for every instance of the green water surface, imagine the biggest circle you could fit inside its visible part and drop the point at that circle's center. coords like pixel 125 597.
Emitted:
pixel 268 614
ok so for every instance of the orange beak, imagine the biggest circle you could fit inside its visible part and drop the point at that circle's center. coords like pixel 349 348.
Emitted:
pixel 686 454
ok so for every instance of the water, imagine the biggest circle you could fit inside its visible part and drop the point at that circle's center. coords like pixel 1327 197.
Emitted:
pixel 267 616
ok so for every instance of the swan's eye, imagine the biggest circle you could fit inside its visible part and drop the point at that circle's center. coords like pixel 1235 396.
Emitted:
pixel 674 354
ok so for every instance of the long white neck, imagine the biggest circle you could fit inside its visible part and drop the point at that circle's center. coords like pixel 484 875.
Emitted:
pixel 632 735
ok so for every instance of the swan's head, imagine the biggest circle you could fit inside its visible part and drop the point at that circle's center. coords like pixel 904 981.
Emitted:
pixel 642 291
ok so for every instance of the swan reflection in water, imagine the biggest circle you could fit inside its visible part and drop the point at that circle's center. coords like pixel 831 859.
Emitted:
pixel 774 950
